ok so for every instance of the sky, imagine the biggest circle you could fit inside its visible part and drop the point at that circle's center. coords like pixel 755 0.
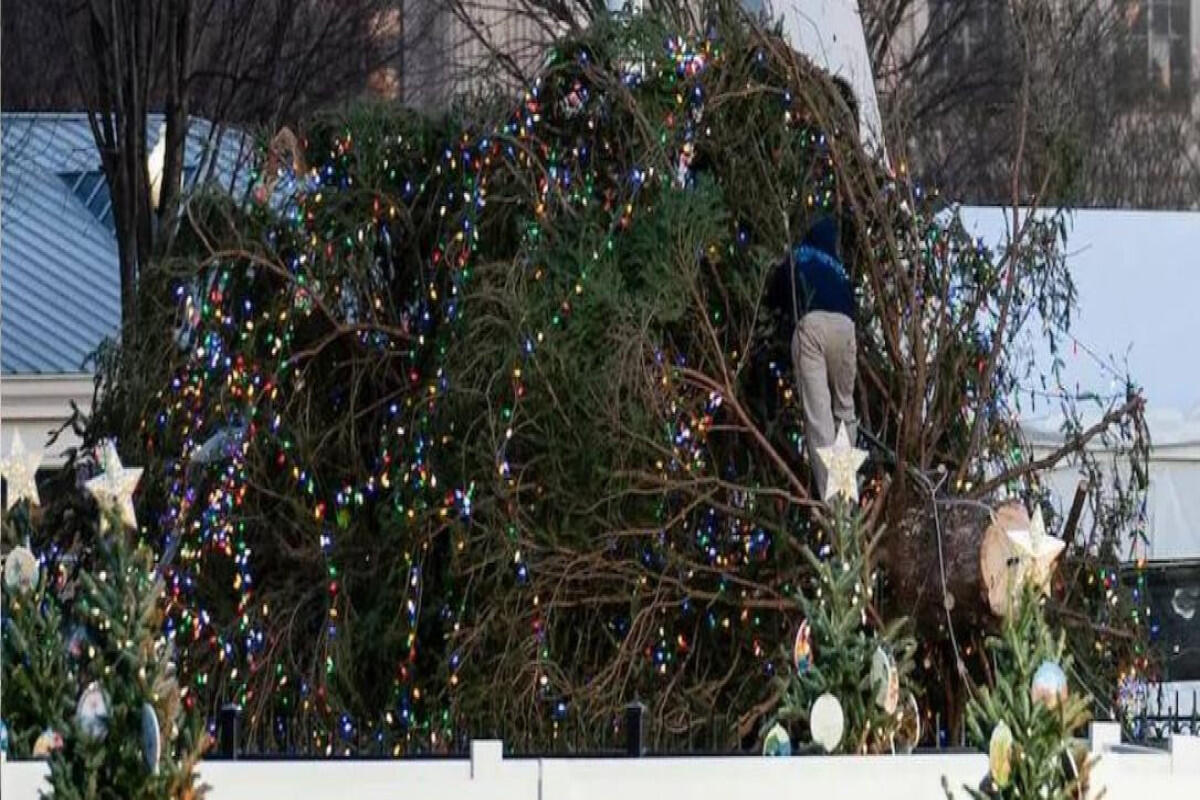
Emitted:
pixel 1137 274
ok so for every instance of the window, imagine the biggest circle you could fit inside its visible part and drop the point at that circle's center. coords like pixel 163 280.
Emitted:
pixel 91 189
pixel 970 31
pixel 1156 57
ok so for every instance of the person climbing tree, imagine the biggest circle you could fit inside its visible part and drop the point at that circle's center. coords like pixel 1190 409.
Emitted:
pixel 814 292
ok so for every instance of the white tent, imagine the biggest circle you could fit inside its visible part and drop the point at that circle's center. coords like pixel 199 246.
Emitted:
pixel 1137 274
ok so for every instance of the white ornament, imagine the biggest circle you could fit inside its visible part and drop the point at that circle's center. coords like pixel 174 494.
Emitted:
pixel 842 462
pixel 20 472
pixel 91 712
pixel 151 740
pixel 20 570
pixel 1036 553
pixel 113 488
pixel 827 722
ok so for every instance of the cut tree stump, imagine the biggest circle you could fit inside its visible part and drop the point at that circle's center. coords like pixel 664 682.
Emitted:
pixel 975 559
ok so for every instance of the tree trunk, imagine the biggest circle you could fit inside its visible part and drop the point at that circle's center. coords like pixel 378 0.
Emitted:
pixel 927 583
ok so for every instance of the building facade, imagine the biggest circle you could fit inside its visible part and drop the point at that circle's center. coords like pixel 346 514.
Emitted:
pixel 1159 56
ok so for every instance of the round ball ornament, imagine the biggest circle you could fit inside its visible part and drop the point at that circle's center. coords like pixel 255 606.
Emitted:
pixel 91 712
pixel 802 654
pixel 47 742
pixel 1000 747
pixel 885 680
pixel 777 742
pixel 78 642
pixel 1049 685
pixel 3 736
pixel 151 739
pixel 20 570
pixel 827 722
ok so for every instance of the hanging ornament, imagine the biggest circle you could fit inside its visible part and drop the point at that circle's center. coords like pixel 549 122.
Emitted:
pixel 3 736
pixel 151 740
pixel 802 654
pixel 1000 754
pixel 573 103
pixel 885 680
pixel 827 722
pixel 683 165
pixel 1049 685
pixel 908 726
pixel 91 713
pixel 77 642
pixel 777 742
pixel 20 570
pixel 47 742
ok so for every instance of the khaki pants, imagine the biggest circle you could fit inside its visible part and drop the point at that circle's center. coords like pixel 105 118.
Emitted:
pixel 825 356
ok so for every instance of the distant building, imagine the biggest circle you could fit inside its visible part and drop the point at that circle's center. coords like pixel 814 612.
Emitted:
pixel 448 51
pixel 1160 59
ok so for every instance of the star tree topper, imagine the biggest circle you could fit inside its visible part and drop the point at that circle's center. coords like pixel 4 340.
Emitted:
pixel 1037 551
pixel 113 488
pixel 20 470
pixel 842 462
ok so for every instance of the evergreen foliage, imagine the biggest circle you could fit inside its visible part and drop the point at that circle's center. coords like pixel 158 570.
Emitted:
pixel 38 678
pixel 95 618
pixel 838 603
pixel 129 659
pixel 1043 761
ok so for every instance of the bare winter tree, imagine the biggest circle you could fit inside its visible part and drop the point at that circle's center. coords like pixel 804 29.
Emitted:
pixel 951 73
pixel 255 64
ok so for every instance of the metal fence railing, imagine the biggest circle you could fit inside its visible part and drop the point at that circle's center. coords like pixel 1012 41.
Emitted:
pixel 1166 711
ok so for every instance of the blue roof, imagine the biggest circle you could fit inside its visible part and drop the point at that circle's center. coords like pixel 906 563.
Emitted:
pixel 60 283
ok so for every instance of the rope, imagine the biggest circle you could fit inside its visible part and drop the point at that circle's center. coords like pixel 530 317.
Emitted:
pixel 926 483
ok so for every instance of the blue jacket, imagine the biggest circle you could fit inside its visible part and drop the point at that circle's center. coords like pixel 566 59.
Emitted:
pixel 821 282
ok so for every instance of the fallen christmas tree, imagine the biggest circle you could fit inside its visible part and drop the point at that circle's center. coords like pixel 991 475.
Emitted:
pixel 481 426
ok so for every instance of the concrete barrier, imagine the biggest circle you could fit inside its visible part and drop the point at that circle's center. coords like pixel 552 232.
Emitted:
pixel 1122 773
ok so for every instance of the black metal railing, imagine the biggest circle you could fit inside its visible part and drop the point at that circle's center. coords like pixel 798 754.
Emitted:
pixel 1165 712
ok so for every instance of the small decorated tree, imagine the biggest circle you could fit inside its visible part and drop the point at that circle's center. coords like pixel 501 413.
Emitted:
pixel 844 667
pixel 129 735
pixel 38 679
pixel 88 673
pixel 1027 718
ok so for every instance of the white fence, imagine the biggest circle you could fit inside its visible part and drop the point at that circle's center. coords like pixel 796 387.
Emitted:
pixel 1123 773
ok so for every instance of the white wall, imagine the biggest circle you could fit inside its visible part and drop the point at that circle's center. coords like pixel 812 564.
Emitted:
pixel 1123 773
pixel 38 404
pixel 916 777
